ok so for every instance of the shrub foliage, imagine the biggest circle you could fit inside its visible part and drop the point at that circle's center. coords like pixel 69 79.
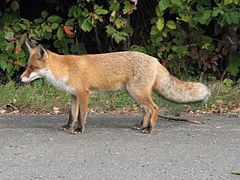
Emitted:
pixel 188 36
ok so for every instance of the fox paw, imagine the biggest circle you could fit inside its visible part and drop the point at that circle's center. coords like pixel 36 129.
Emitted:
pixel 77 131
pixel 146 130
pixel 65 128
pixel 137 127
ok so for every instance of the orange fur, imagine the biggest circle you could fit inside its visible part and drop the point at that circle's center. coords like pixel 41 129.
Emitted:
pixel 135 72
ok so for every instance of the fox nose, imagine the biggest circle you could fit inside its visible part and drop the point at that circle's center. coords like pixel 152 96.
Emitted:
pixel 21 77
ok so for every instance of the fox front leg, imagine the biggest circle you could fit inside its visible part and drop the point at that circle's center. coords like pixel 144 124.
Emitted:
pixel 75 111
pixel 68 126
pixel 83 101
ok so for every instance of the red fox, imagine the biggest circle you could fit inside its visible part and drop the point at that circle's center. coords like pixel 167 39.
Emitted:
pixel 135 72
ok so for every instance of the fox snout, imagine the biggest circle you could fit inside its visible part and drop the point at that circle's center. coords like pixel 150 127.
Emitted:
pixel 24 77
pixel 28 77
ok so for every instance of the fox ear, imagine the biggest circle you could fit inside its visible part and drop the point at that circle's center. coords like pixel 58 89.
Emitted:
pixel 41 52
pixel 30 45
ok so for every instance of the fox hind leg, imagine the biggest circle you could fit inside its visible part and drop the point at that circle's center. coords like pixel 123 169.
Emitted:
pixel 143 97
pixel 145 121
pixel 149 119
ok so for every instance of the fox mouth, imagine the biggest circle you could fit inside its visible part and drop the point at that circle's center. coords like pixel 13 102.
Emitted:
pixel 30 78
pixel 27 79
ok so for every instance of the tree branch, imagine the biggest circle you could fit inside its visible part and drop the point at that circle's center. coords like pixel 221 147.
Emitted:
pixel 15 63
pixel 181 119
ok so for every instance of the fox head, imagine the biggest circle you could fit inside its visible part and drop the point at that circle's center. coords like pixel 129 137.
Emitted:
pixel 36 62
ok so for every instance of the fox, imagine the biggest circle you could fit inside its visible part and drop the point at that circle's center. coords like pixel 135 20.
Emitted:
pixel 137 73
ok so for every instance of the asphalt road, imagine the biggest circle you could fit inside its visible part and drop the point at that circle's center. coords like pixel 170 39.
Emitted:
pixel 32 147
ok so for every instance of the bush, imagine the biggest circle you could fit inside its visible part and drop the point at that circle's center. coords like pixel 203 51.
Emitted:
pixel 189 37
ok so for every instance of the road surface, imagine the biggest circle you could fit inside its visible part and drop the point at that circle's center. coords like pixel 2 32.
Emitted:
pixel 32 147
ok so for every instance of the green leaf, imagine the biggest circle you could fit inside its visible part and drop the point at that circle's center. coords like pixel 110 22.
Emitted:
pixel 163 4
pixel 110 30
pixel 38 20
pixel 54 19
pixel 3 64
pixel 159 12
pixel 177 2
pixel 23 26
pixel 114 5
pixel 99 10
pixel 228 82
pixel 119 36
pixel 8 35
pixel 160 24
pixel 44 14
pixel 47 35
pixel 206 17
pixel 54 26
pixel 171 24
pixel 165 33
pixel 234 63
pixel 180 50
pixel 60 33
pixel 226 2
pixel 70 11
pixel 26 22
pixel 215 12
pixel 186 18
pixel 228 19
pixel 85 12
pixel 128 7
pixel 76 12
pixel 86 26
pixel 70 21
pixel 128 29
pixel 138 48
pixel 120 22
pixel 235 17
pixel 236 172
pixel 154 30
pixel 47 29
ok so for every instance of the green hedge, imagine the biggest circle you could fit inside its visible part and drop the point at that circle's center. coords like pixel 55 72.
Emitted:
pixel 188 36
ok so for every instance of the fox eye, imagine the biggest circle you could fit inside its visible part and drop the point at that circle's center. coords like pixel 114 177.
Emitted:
pixel 32 67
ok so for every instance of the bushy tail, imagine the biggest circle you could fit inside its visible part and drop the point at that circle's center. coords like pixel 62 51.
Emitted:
pixel 178 91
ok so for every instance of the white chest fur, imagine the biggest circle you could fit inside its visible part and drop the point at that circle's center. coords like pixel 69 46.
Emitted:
pixel 59 83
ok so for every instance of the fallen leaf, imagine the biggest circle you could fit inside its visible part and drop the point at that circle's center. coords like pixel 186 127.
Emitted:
pixel 195 122
pixel 135 108
pixel 232 104
pixel 219 101
pixel 236 110
pixel 56 110
pixel 3 111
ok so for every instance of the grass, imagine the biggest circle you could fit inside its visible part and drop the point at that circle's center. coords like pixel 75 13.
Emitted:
pixel 42 97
